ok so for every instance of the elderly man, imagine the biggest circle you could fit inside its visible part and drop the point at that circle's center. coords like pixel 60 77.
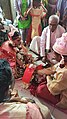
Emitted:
pixel 43 44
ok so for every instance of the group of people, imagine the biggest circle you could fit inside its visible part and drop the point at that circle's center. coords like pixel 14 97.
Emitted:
pixel 55 90
pixel 13 106
pixel 47 39
pixel 30 14
pixel 51 46
pixel 33 13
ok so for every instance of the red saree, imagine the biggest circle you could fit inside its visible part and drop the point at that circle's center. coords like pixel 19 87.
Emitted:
pixel 9 54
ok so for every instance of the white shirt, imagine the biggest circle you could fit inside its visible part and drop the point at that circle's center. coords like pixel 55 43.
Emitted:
pixel 54 35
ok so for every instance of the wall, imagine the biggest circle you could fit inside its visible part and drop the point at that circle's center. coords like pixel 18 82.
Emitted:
pixel 8 8
pixel 12 9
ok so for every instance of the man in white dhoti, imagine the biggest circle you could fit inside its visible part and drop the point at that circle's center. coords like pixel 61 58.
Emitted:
pixel 44 43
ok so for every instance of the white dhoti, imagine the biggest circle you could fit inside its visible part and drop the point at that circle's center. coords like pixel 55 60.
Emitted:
pixel 35 44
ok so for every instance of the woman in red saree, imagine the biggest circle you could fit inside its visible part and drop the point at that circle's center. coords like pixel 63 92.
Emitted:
pixel 16 53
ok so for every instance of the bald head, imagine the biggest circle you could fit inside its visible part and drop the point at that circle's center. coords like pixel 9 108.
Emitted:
pixel 53 22
pixel 54 17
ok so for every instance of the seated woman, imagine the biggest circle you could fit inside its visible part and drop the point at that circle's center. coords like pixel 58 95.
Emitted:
pixel 55 90
pixel 9 106
pixel 16 53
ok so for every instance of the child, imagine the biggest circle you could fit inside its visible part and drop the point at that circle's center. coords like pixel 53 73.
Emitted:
pixel 37 12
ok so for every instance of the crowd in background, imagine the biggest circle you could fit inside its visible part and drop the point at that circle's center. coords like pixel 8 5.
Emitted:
pixel 40 25
pixel 49 7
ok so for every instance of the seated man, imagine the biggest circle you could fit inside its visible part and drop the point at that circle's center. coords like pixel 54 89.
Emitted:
pixel 43 45
pixel 55 90
pixel 9 106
